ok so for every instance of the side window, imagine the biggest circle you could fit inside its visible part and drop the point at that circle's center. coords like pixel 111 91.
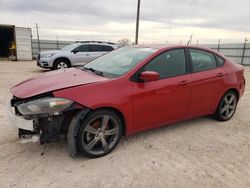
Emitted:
pixel 82 48
pixel 202 60
pixel 168 64
pixel 220 61
pixel 108 48
pixel 96 48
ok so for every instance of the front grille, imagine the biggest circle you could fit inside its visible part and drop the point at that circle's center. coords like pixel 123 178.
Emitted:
pixel 45 64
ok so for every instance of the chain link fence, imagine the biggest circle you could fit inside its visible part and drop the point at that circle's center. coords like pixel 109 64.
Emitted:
pixel 44 45
pixel 238 52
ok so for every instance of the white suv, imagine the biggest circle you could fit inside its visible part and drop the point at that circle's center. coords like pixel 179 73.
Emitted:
pixel 75 54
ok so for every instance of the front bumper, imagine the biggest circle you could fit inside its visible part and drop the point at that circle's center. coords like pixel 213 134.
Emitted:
pixel 19 121
pixel 43 64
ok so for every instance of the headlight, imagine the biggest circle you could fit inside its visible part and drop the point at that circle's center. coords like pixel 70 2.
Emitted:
pixel 47 55
pixel 44 106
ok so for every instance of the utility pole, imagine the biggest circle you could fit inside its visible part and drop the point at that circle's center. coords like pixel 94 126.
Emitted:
pixel 38 40
pixel 137 22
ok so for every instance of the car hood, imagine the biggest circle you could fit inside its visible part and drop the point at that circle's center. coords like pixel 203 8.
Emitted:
pixel 54 80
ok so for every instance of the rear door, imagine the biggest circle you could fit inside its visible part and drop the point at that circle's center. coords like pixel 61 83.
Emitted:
pixel 207 83
pixel 98 50
pixel 23 43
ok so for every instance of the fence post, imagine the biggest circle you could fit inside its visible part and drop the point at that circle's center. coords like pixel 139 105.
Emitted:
pixel 243 52
pixel 218 48
pixel 57 43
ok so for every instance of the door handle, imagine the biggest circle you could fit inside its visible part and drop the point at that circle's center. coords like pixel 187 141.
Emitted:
pixel 221 74
pixel 184 82
pixel 87 54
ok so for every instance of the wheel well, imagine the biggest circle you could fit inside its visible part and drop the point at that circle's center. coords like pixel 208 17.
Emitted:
pixel 235 91
pixel 63 58
pixel 72 113
pixel 120 115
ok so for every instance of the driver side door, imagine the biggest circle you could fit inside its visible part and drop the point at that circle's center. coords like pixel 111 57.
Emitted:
pixel 166 100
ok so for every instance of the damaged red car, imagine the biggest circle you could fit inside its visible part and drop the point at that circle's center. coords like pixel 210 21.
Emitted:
pixel 125 91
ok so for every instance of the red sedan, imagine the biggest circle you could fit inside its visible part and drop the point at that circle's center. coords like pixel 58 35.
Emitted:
pixel 128 90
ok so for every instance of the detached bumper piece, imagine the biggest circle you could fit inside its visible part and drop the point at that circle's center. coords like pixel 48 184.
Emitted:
pixel 46 130
pixel 26 136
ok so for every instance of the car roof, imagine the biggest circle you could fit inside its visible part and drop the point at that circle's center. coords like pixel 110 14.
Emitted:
pixel 169 47
pixel 96 42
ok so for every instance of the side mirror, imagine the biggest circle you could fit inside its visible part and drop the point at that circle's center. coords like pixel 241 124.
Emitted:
pixel 75 51
pixel 148 76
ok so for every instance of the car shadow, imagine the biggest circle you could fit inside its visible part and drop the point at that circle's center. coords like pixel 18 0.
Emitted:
pixel 60 148
pixel 200 121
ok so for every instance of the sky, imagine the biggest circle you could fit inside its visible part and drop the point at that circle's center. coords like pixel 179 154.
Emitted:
pixel 161 21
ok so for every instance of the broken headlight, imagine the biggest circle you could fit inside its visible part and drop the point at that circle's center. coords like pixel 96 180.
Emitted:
pixel 52 106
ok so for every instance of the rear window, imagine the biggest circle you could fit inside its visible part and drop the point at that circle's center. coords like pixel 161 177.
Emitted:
pixel 202 60
pixel 108 48
pixel 220 60
pixel 100 48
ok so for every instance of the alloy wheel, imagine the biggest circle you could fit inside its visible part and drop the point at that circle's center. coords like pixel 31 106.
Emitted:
pixel 228 106
pixel 100 135
pixel 62 65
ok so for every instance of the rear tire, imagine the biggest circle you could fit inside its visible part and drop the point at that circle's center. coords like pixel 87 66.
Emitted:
pixel 227 106
pixel 99 134
pixel 61 64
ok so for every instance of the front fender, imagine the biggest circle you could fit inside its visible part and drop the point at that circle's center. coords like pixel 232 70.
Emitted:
pixel 73 131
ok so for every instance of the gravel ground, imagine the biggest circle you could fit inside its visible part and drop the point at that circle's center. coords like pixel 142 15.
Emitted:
pixel 196 153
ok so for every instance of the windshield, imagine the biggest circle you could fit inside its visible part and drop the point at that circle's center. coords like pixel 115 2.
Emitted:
pixel 119 62
pixel 70 47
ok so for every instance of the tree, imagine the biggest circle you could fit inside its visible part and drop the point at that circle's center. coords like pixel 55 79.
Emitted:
pixel 124 42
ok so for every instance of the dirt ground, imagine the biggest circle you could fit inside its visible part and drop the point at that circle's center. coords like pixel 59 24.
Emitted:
pixel 196 153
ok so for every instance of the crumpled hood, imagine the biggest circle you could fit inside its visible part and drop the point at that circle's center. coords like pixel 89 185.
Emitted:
pixel 54 80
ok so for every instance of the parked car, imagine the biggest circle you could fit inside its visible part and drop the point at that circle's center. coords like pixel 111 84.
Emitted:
pixel 75 54
pixel 123 92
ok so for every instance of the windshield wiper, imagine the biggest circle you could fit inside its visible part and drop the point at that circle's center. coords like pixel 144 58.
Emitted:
pixel 100 73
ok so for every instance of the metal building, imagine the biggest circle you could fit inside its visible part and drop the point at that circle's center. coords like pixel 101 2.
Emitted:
pixel 15 43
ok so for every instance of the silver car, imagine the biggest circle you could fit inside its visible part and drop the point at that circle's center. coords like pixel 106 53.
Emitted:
pixel 75 54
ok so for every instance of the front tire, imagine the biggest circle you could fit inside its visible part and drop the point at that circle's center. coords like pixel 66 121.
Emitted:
pixel 227 106
pixel 99 133
pixel 61 64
